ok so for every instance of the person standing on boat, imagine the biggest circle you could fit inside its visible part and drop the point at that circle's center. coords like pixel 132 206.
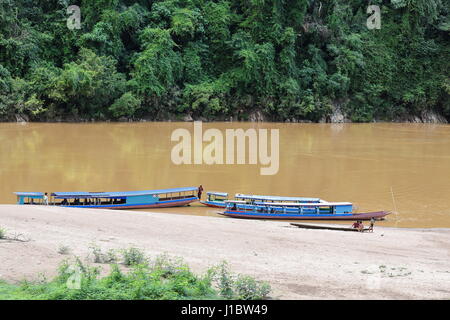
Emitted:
pixel 200 191
pixel 46 199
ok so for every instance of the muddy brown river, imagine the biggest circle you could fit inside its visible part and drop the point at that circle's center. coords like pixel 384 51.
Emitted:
pixel 404 168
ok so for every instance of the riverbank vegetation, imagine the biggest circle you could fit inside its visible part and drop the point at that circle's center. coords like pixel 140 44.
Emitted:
pixel 163 278
pixel 279 60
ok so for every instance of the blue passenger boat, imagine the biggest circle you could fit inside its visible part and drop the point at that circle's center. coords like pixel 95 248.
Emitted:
pixel 215 199
pixel 112 200
pixel 299 211
pixel 245 201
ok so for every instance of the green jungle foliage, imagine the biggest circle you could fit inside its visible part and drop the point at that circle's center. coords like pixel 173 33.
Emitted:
pixel 222 59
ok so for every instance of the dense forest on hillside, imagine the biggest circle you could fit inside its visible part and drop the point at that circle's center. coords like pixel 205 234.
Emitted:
pixel 280 60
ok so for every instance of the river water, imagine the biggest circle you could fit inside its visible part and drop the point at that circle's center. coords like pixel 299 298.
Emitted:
pixel 403 168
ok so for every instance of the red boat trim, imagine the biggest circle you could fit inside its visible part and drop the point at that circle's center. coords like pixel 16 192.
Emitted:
pixel 355 216
pixel 211 205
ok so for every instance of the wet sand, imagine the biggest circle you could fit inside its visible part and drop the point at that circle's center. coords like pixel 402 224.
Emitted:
pixel 391 263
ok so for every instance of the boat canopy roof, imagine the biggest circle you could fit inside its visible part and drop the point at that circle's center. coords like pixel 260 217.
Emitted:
pixel 236 201
pixel 275 198
pixel 120 194
pixel 220 194
pixel 284 204
pixel 29 194
pixel 321 204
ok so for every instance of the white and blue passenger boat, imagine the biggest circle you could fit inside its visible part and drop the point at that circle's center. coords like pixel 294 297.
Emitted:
pixel 164 198
pixel 215 199
pixel 246 202
pixel 298 211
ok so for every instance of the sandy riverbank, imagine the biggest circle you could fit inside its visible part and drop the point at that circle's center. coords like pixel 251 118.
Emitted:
pixel 390 263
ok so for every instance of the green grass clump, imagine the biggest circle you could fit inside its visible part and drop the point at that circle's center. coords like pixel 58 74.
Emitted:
pixel 103 257
pixel 163 278
pixel 133 257
pixel 11 292
pixel 237 287
pixel 2 233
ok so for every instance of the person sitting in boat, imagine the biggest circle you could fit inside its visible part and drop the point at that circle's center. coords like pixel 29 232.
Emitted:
pixel 76 202
pixel 234 207
pixel 64 202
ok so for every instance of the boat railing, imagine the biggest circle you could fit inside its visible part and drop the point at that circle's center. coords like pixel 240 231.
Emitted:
pixel 295 208
pixel 176 198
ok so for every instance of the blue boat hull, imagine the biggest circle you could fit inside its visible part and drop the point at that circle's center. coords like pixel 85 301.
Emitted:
pixel 159 204
pixel 214 204
pixel 244 207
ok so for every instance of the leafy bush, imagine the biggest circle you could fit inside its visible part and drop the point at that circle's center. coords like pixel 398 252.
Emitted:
pixel 239 287
pixel 165 278
pixel 133 256
pixel 101 257
pixel 247 288
pixel 223 279
pixel 125 106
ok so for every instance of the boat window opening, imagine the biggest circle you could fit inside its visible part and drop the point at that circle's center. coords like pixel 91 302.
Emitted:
pixel 167 197
pixel 325 210
pixel 75 202
pixel 32 201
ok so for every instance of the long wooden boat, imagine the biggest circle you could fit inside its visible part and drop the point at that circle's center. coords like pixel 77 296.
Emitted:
pixel 246 202
pixel 326 227
pixel 300 211
pixel 215 199
pixel 113 200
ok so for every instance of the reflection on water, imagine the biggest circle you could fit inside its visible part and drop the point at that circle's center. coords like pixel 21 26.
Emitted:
pixel 375 166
